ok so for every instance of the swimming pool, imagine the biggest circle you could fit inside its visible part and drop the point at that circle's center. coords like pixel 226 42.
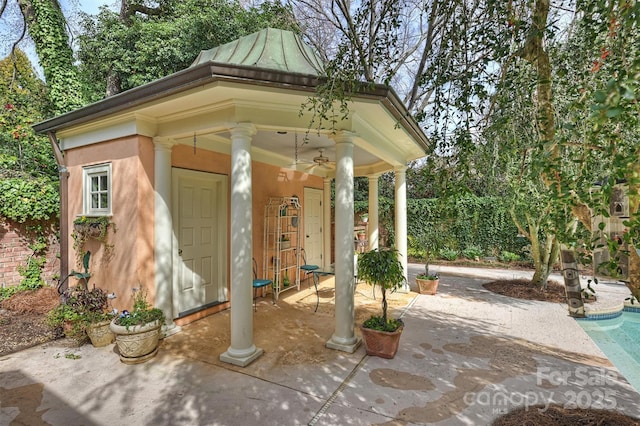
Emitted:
pixel 619 339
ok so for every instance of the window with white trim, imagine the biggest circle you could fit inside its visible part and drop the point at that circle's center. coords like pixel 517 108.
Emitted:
pixel 97 190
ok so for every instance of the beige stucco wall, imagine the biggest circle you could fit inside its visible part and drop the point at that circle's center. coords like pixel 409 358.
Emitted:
pixel 267 180
pixel 131 262
pixel 271 181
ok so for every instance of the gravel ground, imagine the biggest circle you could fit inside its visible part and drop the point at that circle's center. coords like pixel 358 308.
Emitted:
pixel 21 331
pixel 23 320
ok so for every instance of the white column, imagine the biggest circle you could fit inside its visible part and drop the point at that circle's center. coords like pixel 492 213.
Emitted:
pixel 242 351
pixel 344 338
pixel 401 219
pixel 163 233
pixel 374 222
pixel 326 225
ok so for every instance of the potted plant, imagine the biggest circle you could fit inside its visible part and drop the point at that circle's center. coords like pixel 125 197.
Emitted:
pixel 429 242
pixel 364 217
pixel 99 330
pixel 428 283
pixel 138 332
pixel 67 322
pixel 380 334
pixel 83 313
pixel 285 242
pixel 91 227
pixel 93 305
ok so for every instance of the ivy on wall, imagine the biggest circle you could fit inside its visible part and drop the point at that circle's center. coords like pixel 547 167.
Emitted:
pixel 22 200
pixel 457 223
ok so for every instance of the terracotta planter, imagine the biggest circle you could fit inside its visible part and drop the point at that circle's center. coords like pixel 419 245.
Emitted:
pixel 100 333
pixel 75 338
pixel 381 343
pixel 137 344
pixel 427 286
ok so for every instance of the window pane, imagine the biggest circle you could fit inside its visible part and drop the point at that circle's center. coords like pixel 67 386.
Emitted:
pixel 97 190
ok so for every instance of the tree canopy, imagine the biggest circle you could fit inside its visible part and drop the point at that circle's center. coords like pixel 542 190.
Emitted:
pixel 534 100
pixel 119 51
pixel 144 42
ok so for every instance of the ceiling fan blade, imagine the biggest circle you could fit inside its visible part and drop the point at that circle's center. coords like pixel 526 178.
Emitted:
pixel 329 166
pixel 297 165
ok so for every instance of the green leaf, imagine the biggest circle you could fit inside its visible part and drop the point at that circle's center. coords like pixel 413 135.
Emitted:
pixel 613 112
pixel 600 96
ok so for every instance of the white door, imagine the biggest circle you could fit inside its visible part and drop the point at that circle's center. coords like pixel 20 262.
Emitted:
pixel 200 224
pixel 313 225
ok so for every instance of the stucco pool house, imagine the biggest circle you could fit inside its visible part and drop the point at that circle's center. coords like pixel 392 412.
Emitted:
pixel 184 166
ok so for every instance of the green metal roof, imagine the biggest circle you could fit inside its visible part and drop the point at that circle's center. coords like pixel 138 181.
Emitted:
pixel 271 49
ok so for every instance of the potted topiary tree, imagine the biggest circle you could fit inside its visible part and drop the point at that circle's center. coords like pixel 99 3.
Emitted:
pixel 428 283
pixel 429 242
pixel 381 335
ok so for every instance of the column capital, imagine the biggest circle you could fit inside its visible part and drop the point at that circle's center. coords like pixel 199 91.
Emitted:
pixel 400 169
pixel 245 129
pixel 163 143
pixel 343 136
pixel 374 176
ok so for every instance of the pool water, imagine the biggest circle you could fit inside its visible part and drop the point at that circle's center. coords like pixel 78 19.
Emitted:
pixel 619 339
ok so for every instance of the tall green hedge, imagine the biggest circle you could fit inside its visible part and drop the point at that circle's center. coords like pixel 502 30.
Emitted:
pixel 458 223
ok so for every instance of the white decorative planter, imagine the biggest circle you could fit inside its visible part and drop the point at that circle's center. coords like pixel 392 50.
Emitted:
pixel 100 333
pixel 137 344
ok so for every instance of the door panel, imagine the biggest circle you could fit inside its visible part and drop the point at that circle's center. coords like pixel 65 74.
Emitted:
pixel 313 217
pixel 199 206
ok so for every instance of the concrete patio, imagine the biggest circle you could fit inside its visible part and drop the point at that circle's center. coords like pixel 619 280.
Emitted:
pixel 466 357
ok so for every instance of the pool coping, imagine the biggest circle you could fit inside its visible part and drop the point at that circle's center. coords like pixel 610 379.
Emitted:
pixel 610 313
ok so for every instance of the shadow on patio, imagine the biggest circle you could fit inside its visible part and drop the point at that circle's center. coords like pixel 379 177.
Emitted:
pixel 292 335
pixel 465 357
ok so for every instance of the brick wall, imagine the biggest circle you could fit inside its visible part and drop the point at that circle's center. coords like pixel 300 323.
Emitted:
pixel 14 251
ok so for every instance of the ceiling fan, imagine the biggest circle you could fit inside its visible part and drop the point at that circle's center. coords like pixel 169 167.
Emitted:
pixel 321 161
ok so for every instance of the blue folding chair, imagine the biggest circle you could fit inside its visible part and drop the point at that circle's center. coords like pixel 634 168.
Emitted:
pixel 308 269
pixel 259 283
